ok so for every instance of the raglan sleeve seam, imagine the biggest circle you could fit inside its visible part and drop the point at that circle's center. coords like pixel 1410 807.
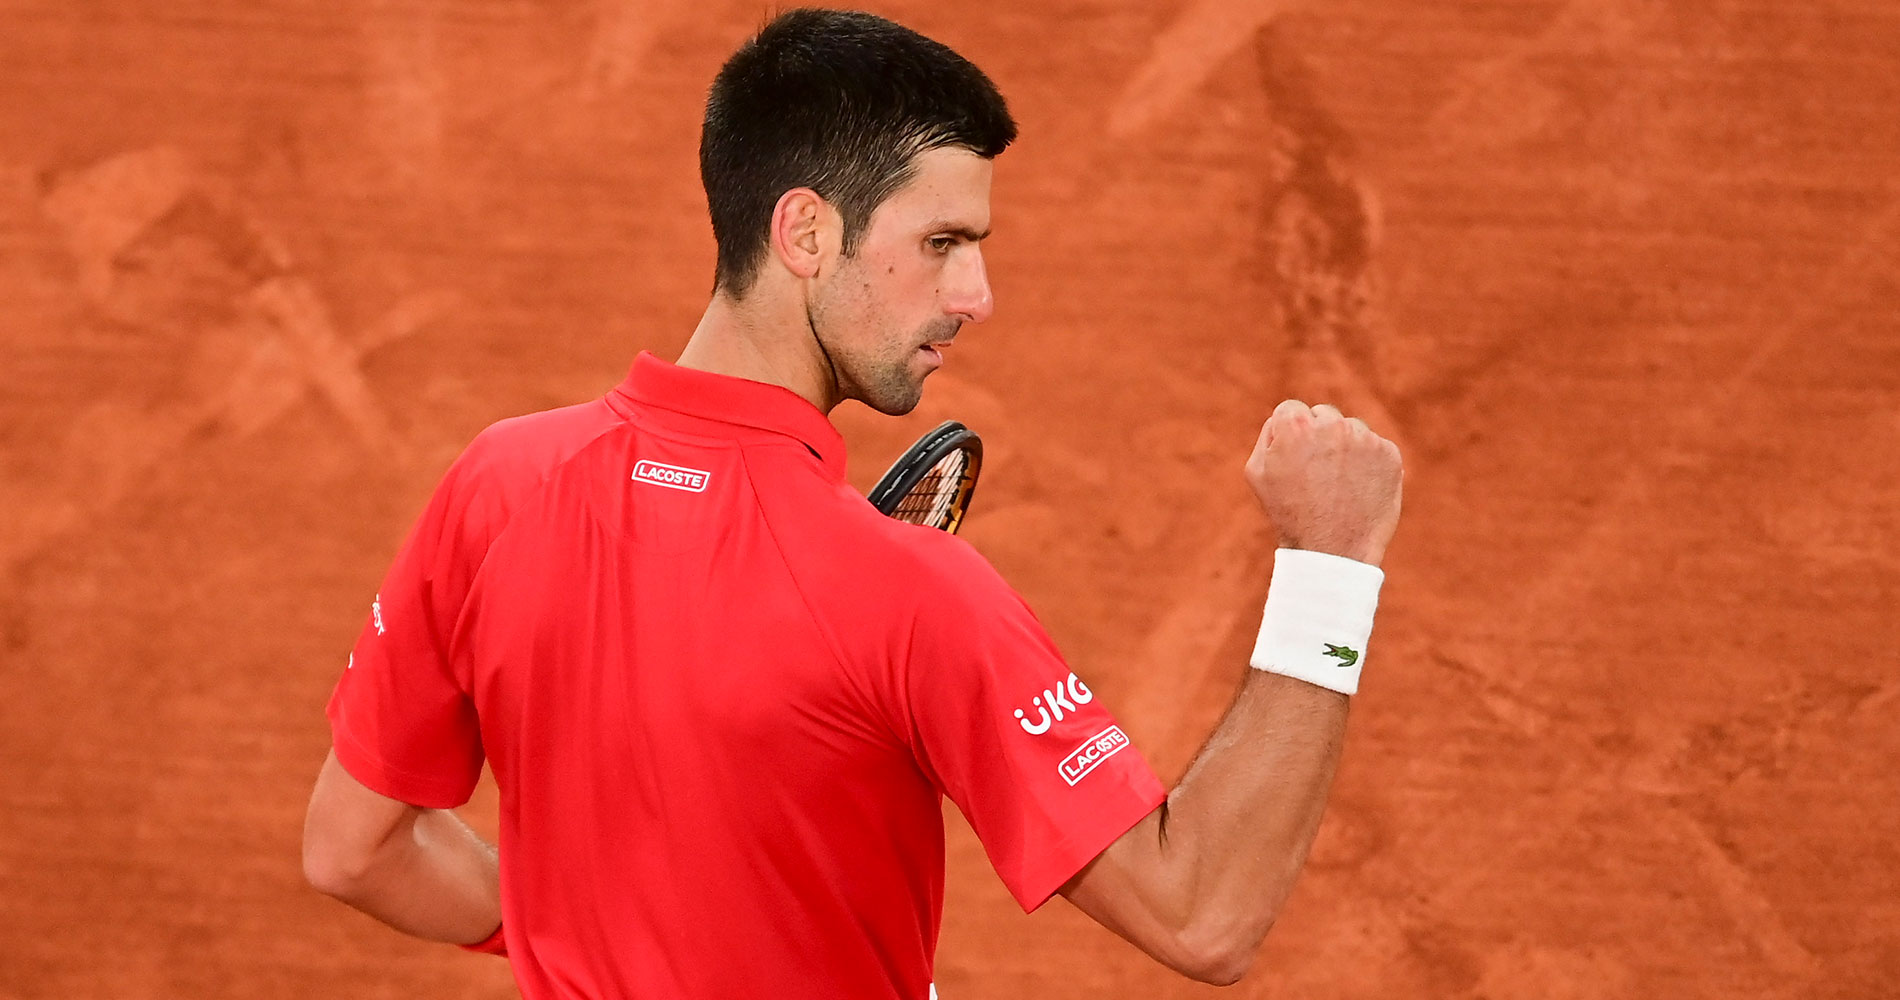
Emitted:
pixel 832 646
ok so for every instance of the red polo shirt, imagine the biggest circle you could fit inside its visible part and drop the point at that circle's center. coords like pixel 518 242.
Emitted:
pixel 722 697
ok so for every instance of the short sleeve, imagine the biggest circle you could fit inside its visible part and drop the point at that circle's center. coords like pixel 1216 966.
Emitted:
pixel 1039 767
pixel 401 721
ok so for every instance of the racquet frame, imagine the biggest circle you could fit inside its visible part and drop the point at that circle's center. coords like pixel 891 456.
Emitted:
pixel 919 459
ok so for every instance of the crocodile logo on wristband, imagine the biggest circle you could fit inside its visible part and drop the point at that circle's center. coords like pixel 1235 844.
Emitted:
pixel 1346 655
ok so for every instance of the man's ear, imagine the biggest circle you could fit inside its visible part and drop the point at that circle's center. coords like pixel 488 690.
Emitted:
pixel 806 232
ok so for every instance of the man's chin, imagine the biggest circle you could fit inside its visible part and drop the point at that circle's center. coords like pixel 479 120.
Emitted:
pixel 895 408
pixel 896 400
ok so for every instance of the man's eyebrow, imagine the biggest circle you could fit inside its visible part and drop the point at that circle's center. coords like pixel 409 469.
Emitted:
pixel 961 231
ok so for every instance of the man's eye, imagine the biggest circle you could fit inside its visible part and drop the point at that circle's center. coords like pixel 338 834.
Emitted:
pixel 942 244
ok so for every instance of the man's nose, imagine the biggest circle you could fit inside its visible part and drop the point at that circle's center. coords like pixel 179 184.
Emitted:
pixel 971 298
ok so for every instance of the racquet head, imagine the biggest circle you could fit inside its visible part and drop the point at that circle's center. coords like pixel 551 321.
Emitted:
pixel 931 482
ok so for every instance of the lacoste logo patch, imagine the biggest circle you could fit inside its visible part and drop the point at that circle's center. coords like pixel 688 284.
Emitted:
pixel 1347 656
pixel 1090 755
pixel 673 477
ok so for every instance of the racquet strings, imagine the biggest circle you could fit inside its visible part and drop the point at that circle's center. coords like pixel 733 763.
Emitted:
pixel 935 500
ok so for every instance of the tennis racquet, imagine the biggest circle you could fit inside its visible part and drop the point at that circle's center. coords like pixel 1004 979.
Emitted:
pixel 931 483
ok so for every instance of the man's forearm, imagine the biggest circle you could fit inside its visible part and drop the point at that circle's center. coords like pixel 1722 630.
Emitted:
pixel 432 877
pixel 1198 882
pixel 1236 831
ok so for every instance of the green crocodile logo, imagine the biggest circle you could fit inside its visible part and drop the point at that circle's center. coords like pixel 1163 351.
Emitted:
pixel 1347 657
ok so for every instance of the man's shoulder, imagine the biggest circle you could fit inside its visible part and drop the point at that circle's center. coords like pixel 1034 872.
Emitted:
pixel 523 450
pixel 905 561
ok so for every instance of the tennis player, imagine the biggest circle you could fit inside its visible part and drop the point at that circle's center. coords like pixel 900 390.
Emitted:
pixel 723 697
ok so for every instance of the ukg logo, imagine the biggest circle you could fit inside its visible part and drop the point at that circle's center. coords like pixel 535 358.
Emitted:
pixel 1053 703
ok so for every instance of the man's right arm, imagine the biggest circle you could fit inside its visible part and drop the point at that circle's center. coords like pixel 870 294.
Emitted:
pixel 1198 882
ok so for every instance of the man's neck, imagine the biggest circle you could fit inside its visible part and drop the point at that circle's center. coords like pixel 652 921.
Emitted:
pixel 752 340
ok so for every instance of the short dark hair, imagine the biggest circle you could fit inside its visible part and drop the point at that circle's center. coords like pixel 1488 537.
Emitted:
pixel 840 102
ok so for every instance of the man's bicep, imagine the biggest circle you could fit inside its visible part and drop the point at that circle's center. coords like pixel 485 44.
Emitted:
pixel 346 824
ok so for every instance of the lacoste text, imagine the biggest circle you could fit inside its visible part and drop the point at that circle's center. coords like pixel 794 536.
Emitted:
pixel 1090 755
pixel 671 476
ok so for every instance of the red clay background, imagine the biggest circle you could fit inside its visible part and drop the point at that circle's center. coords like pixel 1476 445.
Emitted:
pixel 1618 274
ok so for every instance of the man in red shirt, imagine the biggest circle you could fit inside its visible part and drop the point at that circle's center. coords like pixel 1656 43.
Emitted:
pixel 722 696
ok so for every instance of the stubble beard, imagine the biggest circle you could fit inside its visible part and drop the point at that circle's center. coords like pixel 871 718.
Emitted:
pixel 893 389
pixel 884 382
pixel 889 387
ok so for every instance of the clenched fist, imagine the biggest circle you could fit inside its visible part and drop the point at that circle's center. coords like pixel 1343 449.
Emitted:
pixel 1329 484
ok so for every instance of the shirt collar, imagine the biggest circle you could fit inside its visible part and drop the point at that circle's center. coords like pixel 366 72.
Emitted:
pixel 730 400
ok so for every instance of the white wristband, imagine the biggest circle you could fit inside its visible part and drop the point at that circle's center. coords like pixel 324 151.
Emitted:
pixel 1318 618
